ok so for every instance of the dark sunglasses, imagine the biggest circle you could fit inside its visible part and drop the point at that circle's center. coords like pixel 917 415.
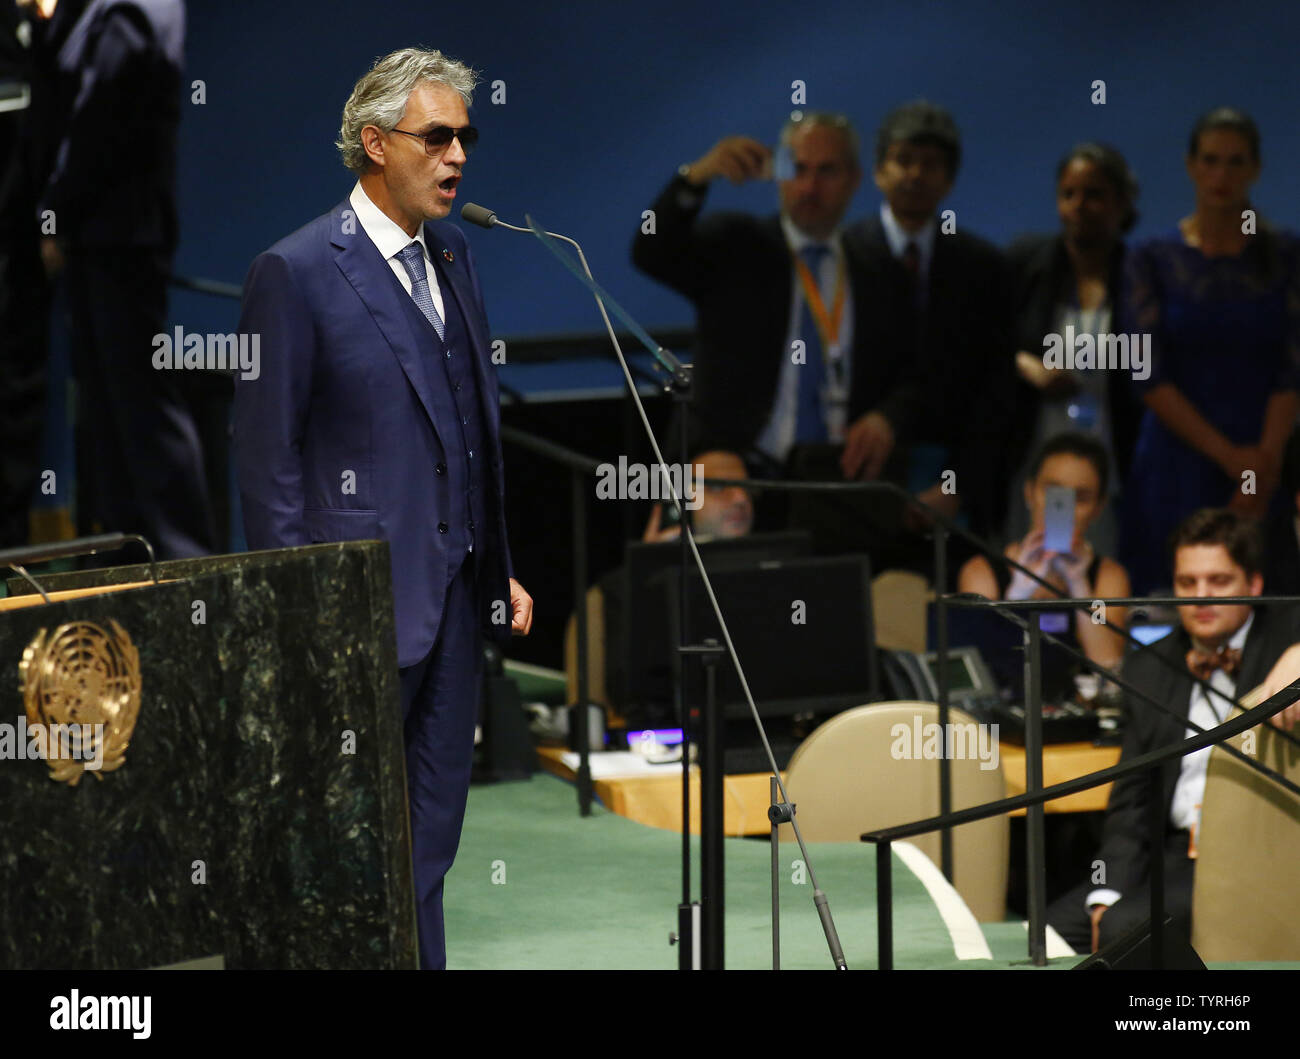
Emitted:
pixel 438 139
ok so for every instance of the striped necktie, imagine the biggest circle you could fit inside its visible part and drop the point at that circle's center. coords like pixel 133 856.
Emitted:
pixel 810 418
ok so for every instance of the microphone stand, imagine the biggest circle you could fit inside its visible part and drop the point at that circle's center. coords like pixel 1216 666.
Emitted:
pixel 708 941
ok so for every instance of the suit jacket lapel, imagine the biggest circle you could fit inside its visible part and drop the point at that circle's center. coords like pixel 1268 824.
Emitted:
pixel 1259 654
pixel 359 260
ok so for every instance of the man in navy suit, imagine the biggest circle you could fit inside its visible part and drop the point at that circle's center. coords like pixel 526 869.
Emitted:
pixel 375 415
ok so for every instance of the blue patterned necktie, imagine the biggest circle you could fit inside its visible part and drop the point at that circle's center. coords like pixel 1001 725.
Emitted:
pixel 412 258
pixel 810 423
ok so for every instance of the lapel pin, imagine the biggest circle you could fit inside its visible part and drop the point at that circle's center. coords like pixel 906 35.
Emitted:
pixel 448 256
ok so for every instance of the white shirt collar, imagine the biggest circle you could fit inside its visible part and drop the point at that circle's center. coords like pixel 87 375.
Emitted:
pixel 387 235
pixel 898 238
pixel 1238 640
pixel 797 240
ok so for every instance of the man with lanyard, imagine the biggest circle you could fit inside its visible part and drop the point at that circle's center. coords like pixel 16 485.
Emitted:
pixel 778 303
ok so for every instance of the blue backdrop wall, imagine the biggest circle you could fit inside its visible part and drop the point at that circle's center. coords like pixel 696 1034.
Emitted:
pixel 603 101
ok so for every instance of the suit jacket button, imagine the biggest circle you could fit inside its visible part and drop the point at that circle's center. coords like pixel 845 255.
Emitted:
pixel 442 527
pixel 440 470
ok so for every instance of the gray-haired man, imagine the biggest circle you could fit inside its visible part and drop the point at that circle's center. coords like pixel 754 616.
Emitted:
pixel 376 416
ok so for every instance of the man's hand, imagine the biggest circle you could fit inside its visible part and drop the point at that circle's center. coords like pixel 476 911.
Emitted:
pixel 521 609
pixel 917 520
pixel 738 158
pixel 51 256
pixel 1285 671
pixel 867 446
pixel 1096 912
pixel 1041 377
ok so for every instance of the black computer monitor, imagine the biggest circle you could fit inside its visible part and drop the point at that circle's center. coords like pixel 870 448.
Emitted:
pixel 640 646
pixel 802 629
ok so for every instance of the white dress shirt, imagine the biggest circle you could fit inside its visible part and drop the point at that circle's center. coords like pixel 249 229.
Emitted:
pixel 777 436
pixel 390 239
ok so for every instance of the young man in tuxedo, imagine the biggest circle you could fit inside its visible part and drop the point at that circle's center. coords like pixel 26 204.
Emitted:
pixel 376 416
pixel 1216 553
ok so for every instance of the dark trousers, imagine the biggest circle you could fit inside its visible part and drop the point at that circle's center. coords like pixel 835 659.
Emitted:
pixel 1071 920
pixel 439 706
pixel 139 460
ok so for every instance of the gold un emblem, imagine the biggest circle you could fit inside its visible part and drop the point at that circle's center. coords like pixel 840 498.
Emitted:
pixel 87 677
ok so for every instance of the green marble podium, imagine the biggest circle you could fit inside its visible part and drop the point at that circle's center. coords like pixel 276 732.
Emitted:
pixel 259 816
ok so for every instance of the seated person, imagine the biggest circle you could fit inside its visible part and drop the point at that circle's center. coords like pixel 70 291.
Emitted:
pixel 1079 462
pixel 724 511
pixel 1217 552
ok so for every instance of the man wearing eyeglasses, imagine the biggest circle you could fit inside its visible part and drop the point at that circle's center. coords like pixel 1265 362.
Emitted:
pixel 375 415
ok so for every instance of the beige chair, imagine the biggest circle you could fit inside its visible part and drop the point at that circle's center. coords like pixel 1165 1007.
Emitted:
pixel 898 602
pixel 1248 855
pixel 859 772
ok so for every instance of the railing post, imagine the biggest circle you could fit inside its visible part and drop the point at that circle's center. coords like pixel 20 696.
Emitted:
pixel 884 907
pixel 580 603
pixel 1034 838
pixel 941 638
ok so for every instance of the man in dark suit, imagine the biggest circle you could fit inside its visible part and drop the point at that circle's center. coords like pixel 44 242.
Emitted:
pixel 1216 553
pixel 948 307
pixel 108 216
pixel 782 304
pixel 375 415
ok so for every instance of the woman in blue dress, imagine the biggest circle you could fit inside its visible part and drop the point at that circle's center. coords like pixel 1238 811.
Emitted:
pixel 1220 300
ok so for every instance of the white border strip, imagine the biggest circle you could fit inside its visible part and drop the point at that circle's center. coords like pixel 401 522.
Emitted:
pixel 968 941
pixel 1056 945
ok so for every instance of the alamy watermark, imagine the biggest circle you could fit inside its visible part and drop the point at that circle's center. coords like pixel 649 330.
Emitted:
pixel 53 742
pixel 637 481
pixel 1107 352
pixel 208 352
pixel 923 741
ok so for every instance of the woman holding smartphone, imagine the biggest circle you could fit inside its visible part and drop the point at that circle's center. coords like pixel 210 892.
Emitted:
pixel 1069 466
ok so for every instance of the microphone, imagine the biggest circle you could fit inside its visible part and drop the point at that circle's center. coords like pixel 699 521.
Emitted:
pixel 486 218
pixel 480 215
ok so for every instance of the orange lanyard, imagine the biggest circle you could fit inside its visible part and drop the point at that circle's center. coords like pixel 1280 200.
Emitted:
pixel 828 324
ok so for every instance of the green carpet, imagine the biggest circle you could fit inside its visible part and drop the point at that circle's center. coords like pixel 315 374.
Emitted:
pixel 601 893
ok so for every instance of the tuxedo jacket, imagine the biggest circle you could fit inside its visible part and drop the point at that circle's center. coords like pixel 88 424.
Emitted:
pixel 962 342
pixel 345 386
pixel 1124 849
pixel 737 270
pixel 1041 277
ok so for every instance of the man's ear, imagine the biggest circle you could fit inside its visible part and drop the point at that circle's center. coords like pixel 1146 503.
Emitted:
pixel 1256 584
pixel 373 142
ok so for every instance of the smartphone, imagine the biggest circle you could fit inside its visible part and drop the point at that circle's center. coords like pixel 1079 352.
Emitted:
pixel 1058 519
pixel 780 166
